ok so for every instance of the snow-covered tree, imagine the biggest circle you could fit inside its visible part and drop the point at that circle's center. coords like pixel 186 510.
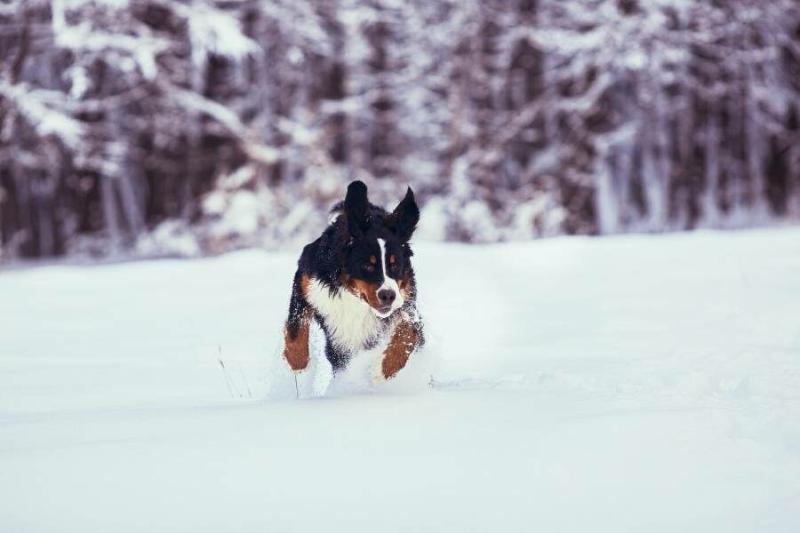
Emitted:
pixel 183 126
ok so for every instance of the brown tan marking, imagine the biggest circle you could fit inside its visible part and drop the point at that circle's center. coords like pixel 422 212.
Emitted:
pixel 367 291
pixel 404 284
pixel 295 350
pixel 305 283
pixel 404 340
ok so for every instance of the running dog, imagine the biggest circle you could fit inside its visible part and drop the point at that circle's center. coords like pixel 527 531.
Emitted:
pixel 357 283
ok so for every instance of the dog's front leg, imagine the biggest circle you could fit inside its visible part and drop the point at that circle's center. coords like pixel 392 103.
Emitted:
pixel 405 338
pixel 296 331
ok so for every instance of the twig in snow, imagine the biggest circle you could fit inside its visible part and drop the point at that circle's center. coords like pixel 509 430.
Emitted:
pixel 228 381
pixel 246 383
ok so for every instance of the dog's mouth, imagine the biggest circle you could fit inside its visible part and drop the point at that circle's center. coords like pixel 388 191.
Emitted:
pixel 382 311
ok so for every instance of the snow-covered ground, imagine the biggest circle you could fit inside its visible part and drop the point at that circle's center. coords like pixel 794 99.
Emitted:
pixel 619 384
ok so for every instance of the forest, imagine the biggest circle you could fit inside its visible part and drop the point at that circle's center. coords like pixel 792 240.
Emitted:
pixel 187 127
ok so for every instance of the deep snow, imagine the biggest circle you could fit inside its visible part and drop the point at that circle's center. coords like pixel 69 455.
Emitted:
pixel 639 383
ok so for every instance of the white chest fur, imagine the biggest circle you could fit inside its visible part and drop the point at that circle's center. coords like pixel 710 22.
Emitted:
pixel 350 321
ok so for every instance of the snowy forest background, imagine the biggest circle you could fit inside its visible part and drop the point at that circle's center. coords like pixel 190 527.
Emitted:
pixel 167 127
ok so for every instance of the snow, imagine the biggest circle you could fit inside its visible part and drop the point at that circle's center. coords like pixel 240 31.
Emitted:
pixel 215 31
pixel 637 383
pixel 39 108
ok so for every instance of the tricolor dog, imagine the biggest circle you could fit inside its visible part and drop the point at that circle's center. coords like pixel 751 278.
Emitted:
pixel 357 283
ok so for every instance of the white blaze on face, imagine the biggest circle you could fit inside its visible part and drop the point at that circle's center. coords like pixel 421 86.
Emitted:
pixel 389 283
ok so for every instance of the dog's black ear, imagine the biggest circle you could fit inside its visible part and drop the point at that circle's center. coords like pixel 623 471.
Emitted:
pixel 405 217
pixel 356 208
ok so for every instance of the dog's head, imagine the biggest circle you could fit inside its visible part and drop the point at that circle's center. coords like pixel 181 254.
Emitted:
pixel 376 265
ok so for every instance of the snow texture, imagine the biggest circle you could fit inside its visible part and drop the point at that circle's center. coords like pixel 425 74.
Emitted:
pixel 637 383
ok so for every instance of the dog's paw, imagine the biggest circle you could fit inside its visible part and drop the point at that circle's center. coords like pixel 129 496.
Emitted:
pixel 297 359
pixel 378 374
pixel 387 367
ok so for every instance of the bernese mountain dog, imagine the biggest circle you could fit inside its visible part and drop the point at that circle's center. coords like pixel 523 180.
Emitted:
pixel 356 282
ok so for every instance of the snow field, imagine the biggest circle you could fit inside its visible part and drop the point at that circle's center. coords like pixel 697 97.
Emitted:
pixel 618 384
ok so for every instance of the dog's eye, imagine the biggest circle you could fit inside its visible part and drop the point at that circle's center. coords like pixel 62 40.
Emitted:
pixel 369 267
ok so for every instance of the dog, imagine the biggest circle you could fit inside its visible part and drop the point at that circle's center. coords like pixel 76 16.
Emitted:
pixel 357 283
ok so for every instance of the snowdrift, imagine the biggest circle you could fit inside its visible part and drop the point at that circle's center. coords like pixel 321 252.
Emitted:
pixel 620 384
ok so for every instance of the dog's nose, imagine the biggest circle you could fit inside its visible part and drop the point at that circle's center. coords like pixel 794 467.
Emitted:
pixel 386 296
